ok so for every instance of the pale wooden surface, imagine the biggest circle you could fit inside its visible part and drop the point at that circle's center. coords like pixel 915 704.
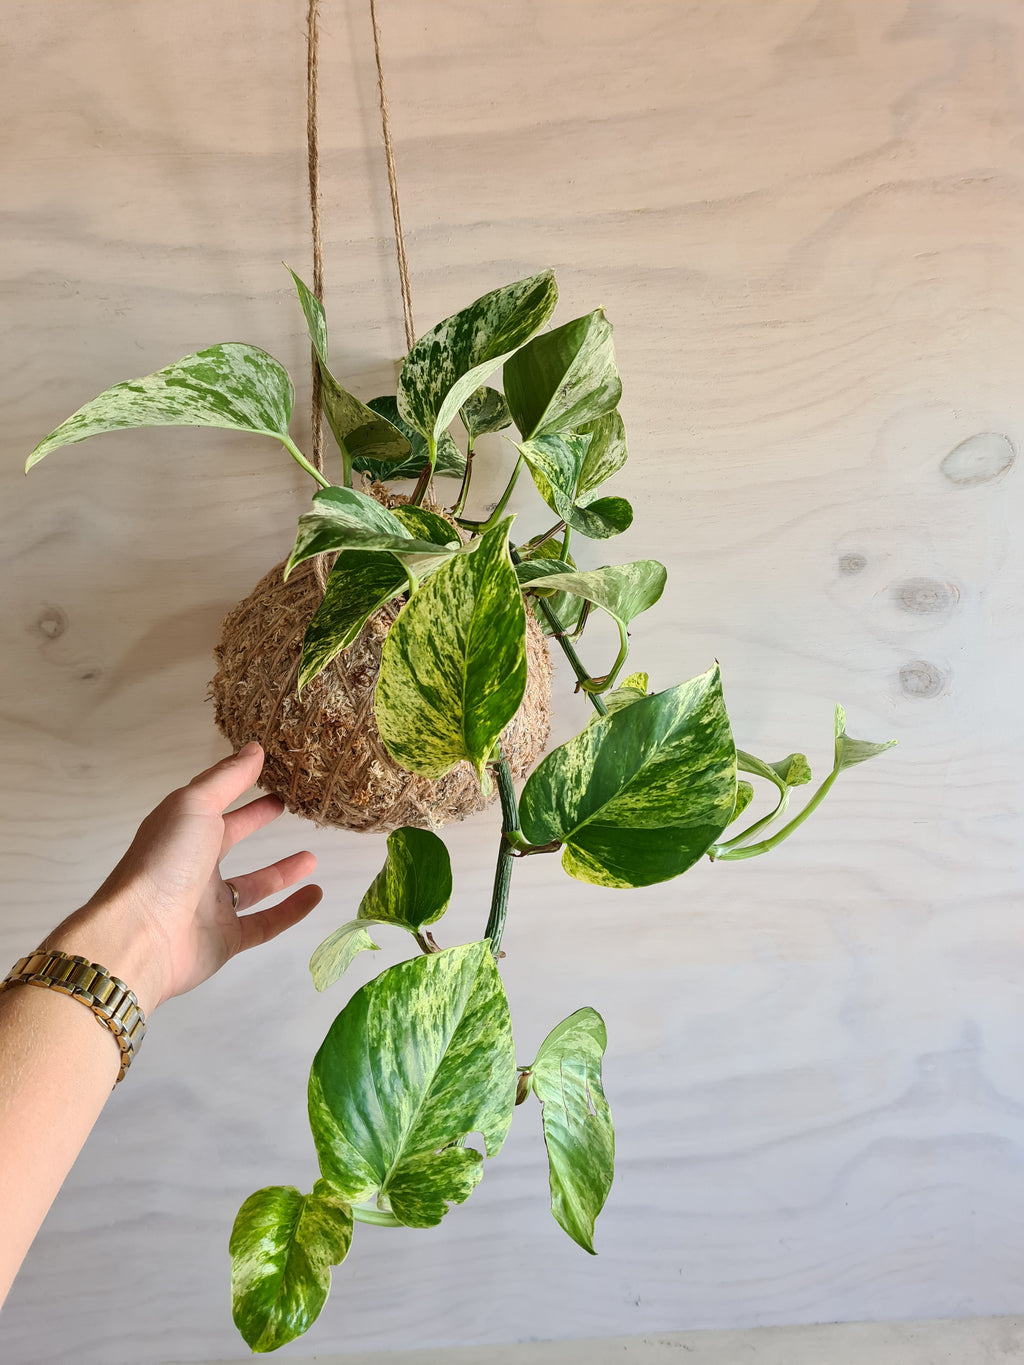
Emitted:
pixel 805 220
pixel 974 1341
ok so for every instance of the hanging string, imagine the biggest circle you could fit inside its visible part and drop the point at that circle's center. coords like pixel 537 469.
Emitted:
pixel 313 154
pixel 396 212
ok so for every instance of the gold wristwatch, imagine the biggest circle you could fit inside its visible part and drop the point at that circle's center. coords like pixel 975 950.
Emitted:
pixel 113 1004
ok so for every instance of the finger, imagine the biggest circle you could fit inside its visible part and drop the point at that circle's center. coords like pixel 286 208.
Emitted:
pixel 225 782
pixel 253 887
pixel 264 925
pixel 239 824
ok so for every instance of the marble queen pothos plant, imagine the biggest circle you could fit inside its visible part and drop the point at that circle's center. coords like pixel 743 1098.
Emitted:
pixel 422 1057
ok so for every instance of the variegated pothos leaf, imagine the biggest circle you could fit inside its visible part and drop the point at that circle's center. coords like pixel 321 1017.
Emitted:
pixel 564 378
pixel 418 1059
pixel 360 583
pixel 234 386
pixel 578 1130
pixel 555 462
pixel 453 359
pixel 453 667
pixel 283 1245
pixel 356 427
pixel 638 796
pixel 450 460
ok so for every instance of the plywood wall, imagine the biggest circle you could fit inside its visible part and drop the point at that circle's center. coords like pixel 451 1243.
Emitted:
pixel 805 221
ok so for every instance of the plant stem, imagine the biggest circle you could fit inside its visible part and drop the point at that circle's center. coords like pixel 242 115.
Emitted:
pixel 481 526
pixel 382 1218
pixel 620 658
pixel 460 504
pixel 506 856
pixel 300 459
pixel 423 483
pixel 558 633
pixel 766 845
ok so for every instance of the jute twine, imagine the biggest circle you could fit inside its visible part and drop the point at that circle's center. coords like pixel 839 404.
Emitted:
pixel 324 755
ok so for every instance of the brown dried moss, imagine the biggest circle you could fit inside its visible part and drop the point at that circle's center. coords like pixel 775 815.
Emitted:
pixel 324 756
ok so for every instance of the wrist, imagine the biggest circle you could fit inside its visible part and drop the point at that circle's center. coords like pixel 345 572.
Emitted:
pixel 112 936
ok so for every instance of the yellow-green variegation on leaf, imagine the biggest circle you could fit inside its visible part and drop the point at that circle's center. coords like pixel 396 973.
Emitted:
pixel 361 433
pixel 578 1130
pixel 417 1060
pixel 233 386
pixel 555 463
pixel 453 667
pixel 410 891
pixel 638 796
pixel 564 378
pixel 453 359
pixel 283 1246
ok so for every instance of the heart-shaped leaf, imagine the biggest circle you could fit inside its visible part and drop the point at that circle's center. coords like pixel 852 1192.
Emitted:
pixel 345 519
pixel 234 386
pixel 359 431
pixel 450 460
pixel 453 359
pixel 411 890
pixel 414 886
pixel 555 463
pixel 638 796
pixel 578 1131
pixel 606 454
pixel 570 611
pixel 283 1245
pixel 563 378
pixel 483 411
pixel 360 583
pixel 453 667
pixel 418 1059
pixel 850 752
pixel 622 590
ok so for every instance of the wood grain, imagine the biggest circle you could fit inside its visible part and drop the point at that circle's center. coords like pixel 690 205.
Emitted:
pixel 805 221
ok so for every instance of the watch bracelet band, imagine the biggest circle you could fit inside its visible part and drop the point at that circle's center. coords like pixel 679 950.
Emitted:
pixel 110 1000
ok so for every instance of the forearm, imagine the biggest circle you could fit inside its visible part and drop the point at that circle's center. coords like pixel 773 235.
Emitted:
pixel 57 1067
pixel 58 1064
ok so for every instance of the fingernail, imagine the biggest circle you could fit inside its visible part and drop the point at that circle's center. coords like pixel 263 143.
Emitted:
pixel 247 749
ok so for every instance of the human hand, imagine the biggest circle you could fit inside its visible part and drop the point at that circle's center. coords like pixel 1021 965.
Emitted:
pixel 163 921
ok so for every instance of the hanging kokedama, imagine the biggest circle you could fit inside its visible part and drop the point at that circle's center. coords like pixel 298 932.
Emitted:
pixel 395 668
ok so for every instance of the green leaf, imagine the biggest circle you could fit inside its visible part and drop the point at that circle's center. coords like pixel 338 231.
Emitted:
pixel 361 582
pixel 414 886
pixel 850 752
pixel 578 1131
pixel 450 460
pixel 571 611
pixel 638 796
pixel 744 796
pixel 345 519
pixel 632 688
pixel 453 667
pixel 422 1188
pixel 531 569
pixel 794 770
pixel 234 386
pixel 452 360
pixel 606 453
pixel 426 525
pixel 410 891
pixel 282 1246
pixel 622 590
pixel 332 958
pixel 555 463
pixel 417 1060
pixel 563 378
pixel 483 411
pixel 357 428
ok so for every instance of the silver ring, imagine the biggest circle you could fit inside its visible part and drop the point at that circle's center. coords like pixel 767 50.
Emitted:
pixel 234 894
